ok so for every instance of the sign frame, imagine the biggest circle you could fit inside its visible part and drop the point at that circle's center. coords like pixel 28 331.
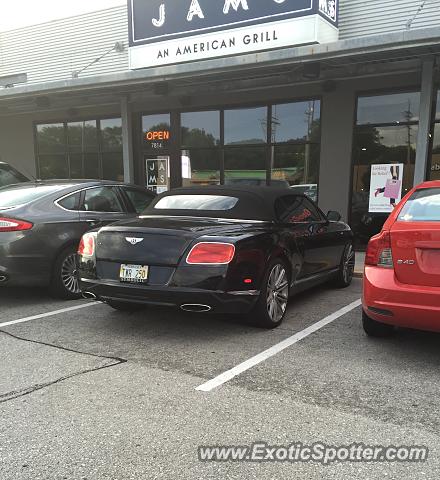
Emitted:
pixel 155 39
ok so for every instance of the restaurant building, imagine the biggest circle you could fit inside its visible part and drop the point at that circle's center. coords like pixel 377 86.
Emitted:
pixel 337 99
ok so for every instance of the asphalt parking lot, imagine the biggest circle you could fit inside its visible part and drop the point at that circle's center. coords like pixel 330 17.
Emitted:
pixel 91 393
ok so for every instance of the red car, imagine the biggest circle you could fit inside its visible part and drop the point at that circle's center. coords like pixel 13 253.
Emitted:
pixel 402 267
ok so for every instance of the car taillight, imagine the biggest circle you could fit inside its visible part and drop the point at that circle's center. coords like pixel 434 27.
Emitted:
pixel 379 251
pixel 86 246
pixel 14 225
pixel 211 253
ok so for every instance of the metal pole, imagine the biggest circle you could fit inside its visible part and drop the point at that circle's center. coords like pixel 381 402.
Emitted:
pixel 423 139
pixel 127 141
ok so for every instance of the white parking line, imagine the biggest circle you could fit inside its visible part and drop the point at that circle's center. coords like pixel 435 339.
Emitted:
pixel 49 314
pixel 279 347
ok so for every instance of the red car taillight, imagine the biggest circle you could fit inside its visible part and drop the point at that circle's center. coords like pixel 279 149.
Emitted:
pixel 211 253
pixel 13 225
pixel 87 245
pixel 379 251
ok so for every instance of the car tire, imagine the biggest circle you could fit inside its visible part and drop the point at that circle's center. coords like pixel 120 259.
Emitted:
pixel 345 274
pixel 124 306
pixel 65 283
pixel 271 306
pixel 376 329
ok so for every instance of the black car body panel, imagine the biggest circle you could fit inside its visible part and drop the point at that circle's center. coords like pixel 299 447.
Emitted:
pixel 27 257
pixel 312 250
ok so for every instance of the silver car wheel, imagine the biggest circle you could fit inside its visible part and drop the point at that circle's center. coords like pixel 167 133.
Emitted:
pixel 277 293
pixel 349 263
pixel 69 274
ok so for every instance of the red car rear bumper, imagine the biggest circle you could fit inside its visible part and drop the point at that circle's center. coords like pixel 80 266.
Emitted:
pixel 387 300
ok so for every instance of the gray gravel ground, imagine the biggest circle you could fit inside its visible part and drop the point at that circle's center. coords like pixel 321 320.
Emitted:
pixel 125 406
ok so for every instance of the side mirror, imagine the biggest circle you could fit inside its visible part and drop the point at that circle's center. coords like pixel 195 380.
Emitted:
pixel 333 216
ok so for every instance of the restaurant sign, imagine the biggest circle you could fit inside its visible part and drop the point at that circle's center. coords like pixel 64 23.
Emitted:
pixel 164 32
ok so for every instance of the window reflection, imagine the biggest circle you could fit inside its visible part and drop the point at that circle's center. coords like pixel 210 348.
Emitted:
pixel 434 173
pixel 82 136
pixel 246 165
pixel 111 134
pixel 298 165
pixel 296 122
pixel 246 126
pixel 394 108
pixel 200 167
pixel 437 112
pixel 156 130
pixel 80 149
pixel 201 129
pixel 386 134
pixel 53 166
pixel 51 138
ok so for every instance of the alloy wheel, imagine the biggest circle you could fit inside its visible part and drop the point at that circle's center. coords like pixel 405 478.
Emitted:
pixel 277 293
pixel 69 274
pixel 349 263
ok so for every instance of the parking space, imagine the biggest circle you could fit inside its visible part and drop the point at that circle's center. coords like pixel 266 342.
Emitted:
pixel 19 303
pixel 99 394
pixel 203 345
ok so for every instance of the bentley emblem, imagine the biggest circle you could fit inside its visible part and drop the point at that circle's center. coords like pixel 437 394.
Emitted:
pixel 133 240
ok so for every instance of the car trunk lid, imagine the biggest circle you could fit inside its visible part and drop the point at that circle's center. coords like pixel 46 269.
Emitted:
pixel 416 253
pixel 415 239
pixel 156 240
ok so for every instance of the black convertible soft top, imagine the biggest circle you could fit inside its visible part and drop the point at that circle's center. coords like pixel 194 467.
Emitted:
pixel 254 203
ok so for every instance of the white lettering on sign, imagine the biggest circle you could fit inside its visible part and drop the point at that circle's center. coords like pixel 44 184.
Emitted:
pixel 161 21
pixel 195 9
pixel 193 30
pixel 235 4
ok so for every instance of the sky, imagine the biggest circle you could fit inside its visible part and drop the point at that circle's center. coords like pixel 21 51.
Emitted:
pixel 20 13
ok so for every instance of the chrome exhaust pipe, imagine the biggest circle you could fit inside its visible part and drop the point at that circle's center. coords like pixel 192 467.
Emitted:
pixel 89 295
pixel 195 308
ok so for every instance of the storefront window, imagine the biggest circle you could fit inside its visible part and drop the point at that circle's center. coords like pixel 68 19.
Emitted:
pixel 201 155
pixel 243 156
pixel 296 122
pixel 156 131
pixel 245 165
pixel 246 126
pixel 383 159
pixel 434 167
pixel 51 138
pixel 394 108
pixel 201 129
pixel 53 162
pixel 82 136
pixel 82 140
pixel 53 166
pixel 298 165
pixel 112 156
pixel 80 149
pixel 201 167
pixel 434 173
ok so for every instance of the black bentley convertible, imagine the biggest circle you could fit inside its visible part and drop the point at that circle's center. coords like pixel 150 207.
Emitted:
pixel 221 249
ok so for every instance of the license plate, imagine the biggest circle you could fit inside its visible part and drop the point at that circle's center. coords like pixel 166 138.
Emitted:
pixel 133 273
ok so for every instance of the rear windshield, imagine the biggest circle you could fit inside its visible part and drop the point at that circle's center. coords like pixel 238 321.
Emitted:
pixel 422 206
pixel 14 197
pixel 196 202
pixel 9 176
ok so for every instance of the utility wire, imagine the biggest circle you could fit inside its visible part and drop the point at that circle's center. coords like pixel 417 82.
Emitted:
pixel 419 10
